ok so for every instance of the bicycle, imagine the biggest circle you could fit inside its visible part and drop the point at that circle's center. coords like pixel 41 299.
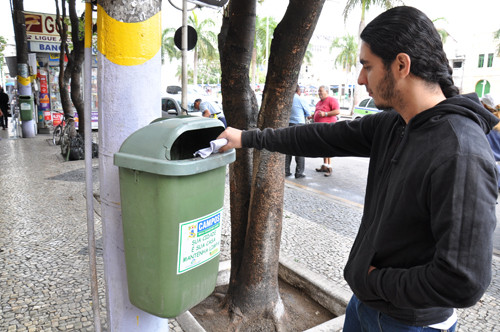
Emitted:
pixel 65 140
pixel 57 134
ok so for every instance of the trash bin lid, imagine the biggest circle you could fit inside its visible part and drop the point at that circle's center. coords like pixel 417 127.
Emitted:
pixel 166 147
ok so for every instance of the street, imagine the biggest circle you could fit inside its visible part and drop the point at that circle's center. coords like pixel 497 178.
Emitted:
pixel 348 183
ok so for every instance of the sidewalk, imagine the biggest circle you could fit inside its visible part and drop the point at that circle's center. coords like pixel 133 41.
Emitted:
pixel 44 266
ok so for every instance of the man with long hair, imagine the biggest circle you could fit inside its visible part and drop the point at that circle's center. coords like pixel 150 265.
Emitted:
pixel 425 243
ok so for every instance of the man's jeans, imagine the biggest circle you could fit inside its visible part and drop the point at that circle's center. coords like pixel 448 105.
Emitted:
pixel 301 161
pixel 361 318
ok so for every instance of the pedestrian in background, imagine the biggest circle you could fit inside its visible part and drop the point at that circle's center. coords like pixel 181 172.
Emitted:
pixel 327 110
pixel 425 243
pixel 494 136
pixel 4 106
pixel 210 111
pixel 300 111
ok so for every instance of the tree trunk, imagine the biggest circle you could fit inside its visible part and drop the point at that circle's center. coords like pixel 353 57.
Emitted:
pixel 20 31
pixel 195 67
pixel 257 181
pixel 77 57
pixel 64 76
pixel 254 67
pixel 357 87
pixel 24 85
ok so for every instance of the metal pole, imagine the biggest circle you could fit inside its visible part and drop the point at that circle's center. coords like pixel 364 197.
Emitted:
pixel 184 45
pixel 88 164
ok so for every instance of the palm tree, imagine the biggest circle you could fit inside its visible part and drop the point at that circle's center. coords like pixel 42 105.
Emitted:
pixel 365 5
pixel 348 55
pixel 3 45
pixel 264 29
pixel 178 74
pixel 442 32
pixel 496 36
pixel 168 45
pixel 348 51
pixel 205 46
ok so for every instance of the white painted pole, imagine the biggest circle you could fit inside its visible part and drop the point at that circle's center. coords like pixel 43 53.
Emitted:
pixel 129 98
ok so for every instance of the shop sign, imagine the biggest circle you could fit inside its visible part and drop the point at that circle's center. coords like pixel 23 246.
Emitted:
pixel 42 27
pixel 44 47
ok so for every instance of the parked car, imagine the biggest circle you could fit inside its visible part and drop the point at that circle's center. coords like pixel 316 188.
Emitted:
pixel 171 102
pixel 171 107
pixel 366 106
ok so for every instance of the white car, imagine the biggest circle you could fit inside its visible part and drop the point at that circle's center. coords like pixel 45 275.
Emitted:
pixel 171 107
pixel 366 106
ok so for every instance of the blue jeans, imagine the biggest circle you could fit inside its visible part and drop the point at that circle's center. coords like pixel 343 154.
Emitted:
pixel 361 318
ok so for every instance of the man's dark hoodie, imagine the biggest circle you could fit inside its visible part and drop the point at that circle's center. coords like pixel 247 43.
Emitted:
pixel 429 212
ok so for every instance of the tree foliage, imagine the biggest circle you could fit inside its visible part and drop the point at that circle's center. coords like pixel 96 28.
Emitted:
pixel 206 46
pixel 3 45
pixel 168 45
pixel 348 55
pixel 365 5
pixel 496 36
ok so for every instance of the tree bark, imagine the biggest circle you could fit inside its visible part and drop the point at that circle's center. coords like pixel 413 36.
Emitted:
pixel 64 76
pixel 257 178
pixel 20 31
pixel 77 57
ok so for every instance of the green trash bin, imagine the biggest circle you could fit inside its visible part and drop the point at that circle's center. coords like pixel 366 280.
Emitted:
pixel 171 206
pixel 26 106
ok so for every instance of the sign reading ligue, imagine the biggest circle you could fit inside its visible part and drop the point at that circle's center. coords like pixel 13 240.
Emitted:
pixel 42 27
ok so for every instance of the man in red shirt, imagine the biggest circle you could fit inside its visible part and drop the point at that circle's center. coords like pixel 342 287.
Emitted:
pixel 327 110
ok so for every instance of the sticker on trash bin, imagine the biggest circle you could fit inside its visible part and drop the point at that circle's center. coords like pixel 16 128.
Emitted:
pixel 199 241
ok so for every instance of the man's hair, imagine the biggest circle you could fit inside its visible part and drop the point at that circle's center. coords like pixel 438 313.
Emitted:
pixel 408 30
pixel 197 100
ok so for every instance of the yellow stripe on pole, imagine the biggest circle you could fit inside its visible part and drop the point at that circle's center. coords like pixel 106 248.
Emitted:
pixel 88 25
pixel 24 80
pixel 128 44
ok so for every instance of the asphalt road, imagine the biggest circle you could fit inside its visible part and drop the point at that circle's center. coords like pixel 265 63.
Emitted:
pixel 348 183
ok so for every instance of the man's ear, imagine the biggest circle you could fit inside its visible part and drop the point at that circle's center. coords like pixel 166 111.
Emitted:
pixel 403 63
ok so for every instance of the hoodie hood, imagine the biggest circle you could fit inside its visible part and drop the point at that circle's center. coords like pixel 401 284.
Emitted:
pixel 466 105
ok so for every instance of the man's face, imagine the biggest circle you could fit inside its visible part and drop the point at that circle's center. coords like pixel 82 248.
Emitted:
pixel 197 105
pixel 322 93
pixel 379 82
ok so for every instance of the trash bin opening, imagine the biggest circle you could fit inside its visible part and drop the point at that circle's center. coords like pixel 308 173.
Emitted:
pixel 193 140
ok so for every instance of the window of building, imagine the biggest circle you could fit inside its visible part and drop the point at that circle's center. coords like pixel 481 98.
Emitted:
pixel 490 60
pixel 482 88
pixel 457 64
pixel 481 61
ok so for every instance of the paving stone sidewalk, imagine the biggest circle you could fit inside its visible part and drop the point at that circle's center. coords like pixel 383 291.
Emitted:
pixel 44 266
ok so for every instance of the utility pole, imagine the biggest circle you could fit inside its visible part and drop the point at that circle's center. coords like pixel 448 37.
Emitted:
pixel 184 47
pixel 129 37
pixel 23 74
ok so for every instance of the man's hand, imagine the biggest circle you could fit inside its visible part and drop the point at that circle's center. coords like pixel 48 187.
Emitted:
pixel 233 137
